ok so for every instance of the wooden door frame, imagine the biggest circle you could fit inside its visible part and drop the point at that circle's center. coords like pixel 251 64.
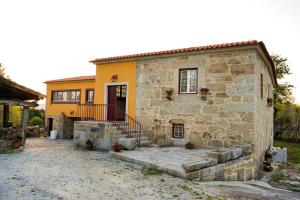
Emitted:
pixel 106 94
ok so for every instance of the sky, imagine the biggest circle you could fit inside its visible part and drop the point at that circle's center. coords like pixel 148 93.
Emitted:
pixel 49 39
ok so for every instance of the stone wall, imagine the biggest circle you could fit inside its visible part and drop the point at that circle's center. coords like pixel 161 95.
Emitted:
pixel 64 126
pixel 101 134
pixel 263 137
pixel 224 118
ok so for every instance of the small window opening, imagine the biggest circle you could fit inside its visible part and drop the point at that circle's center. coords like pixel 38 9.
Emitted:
pixel 178 131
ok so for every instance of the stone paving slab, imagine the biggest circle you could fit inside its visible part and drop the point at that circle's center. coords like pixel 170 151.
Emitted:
pixel 168 159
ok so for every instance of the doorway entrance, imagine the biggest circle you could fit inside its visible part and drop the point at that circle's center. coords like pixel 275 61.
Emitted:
pixel 50 125
pixel 116 102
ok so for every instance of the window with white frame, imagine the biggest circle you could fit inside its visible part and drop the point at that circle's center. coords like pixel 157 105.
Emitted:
pixel 188 81
pixel 89 98
pixel 178 131
pixel 68 96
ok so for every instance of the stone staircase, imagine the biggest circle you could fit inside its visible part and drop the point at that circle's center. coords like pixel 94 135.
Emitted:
pixel 130 137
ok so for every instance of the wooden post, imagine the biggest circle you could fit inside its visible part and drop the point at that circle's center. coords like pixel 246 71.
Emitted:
pixel 5 115
pixel 24 123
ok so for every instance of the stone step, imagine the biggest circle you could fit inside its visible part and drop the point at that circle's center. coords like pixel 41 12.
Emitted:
pixel 145 143
pixel 128 143
pixel 144 139
pixel 197 164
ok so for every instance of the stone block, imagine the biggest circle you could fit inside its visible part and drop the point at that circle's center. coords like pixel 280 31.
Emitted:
pixel 248 174
pixel 241 127
pixel 221 95
pixel 242 69
pixel 193 175
pixel 128 143
pixel 236 98
pixel 236 152
pixel 217 87
pixel 218 68
pixel 219 175
pixel 247 149
pixel 192 165
pixel 208 109
pixel 232 177
pixel 206 171
pixel 222 155
pixel 241 174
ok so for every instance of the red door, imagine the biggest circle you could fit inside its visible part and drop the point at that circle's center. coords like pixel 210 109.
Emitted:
pixel 111 103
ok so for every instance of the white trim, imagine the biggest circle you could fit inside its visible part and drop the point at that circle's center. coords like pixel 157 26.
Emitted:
pixel 106 92
pixel 188 83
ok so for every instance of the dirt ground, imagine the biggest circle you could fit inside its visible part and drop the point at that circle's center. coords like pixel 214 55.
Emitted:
pixel 54 170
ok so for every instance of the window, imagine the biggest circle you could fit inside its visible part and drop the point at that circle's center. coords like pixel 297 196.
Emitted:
pixel 261 86
pixel 89 96
pixel 178 131
pixel 188 81
pixel 121 91
pixel 68 96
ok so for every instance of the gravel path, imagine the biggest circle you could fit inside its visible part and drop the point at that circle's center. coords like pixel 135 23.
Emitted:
pixel 48 171
pixel 54 170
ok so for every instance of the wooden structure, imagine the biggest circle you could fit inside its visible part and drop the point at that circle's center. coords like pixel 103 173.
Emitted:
pixel 12 93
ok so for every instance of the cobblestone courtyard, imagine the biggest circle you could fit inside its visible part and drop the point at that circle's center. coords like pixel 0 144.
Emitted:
pixel 54 170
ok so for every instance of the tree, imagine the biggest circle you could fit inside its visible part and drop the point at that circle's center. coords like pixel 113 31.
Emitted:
pixel 3 72
pixel 283 91
pixel 36 120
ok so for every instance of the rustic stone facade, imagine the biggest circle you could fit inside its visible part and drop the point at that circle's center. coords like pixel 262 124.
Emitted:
pixel 101 134
pixel 64 126
pixel 231 113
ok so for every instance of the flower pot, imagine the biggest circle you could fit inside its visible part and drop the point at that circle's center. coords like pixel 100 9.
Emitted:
pixel 89 145
pixel 16 143
pixel 117 147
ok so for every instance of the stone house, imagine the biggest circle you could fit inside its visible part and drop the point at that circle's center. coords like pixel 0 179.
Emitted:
pixel 211 96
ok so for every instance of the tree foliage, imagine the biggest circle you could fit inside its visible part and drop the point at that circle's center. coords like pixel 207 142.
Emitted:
pixel 15 115
pixel 36 120
pixel 3 72
pixel 283 91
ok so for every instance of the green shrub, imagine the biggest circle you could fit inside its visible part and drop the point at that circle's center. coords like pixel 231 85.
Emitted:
pixel 36 120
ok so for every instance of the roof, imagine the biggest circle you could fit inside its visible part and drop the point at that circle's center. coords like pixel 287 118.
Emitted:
pixel 190 50
pixel 77 78
pixel 174 51
pixel 10 90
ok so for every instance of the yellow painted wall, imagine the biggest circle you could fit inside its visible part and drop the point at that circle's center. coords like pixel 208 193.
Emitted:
pixel 56 109
pixel 126 72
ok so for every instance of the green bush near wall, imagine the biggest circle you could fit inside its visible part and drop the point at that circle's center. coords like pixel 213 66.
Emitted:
pixel 36 120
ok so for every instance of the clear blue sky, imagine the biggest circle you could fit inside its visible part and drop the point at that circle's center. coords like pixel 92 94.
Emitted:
pixel 42 40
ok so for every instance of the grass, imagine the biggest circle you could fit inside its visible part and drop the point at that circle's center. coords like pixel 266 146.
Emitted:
pixel 184 187
pixel 292 148
pixel 276 177
pixel 10 151
pixel 149 171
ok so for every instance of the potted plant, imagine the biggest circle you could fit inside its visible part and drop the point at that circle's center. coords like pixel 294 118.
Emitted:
pixel 189 145
pixel 269 102
pixel 169 93
pixel 203 92
pixel 16 142
pixel 89 145
pixel 117 147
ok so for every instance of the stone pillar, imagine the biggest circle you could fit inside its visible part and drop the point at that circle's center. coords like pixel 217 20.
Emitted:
pixel 24 123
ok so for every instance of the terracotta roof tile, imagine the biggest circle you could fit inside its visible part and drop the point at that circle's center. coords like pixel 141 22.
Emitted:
pixel 172 51
pixel 78 78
